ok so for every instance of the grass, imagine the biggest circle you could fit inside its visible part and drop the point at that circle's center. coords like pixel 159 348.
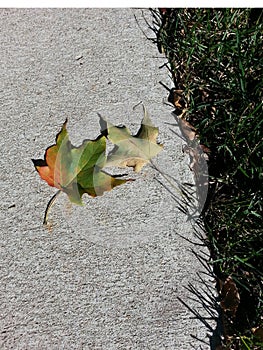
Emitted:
pixel 215 58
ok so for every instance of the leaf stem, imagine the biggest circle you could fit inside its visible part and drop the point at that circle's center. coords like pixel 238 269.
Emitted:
pixel 49 205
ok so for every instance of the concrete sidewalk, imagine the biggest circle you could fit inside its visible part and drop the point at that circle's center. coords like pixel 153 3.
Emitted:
pixel 107 275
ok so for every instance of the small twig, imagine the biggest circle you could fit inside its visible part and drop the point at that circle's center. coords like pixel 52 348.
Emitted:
pixel 49 205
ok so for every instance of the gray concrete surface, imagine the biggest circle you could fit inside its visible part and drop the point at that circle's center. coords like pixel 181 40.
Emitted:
pixel 107 275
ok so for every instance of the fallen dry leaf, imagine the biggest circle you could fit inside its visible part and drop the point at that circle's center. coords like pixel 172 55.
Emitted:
pixel 258 332
pixel 176 98
pixel 188 131
pixel 230 296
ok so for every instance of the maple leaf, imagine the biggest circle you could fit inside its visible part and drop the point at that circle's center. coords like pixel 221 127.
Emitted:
pixel 76 170
pixel 131 151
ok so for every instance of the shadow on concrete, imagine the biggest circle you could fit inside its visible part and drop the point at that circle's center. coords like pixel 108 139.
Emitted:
pixel 205 295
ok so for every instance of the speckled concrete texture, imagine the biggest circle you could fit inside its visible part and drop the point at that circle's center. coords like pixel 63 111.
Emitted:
pixel 107 275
